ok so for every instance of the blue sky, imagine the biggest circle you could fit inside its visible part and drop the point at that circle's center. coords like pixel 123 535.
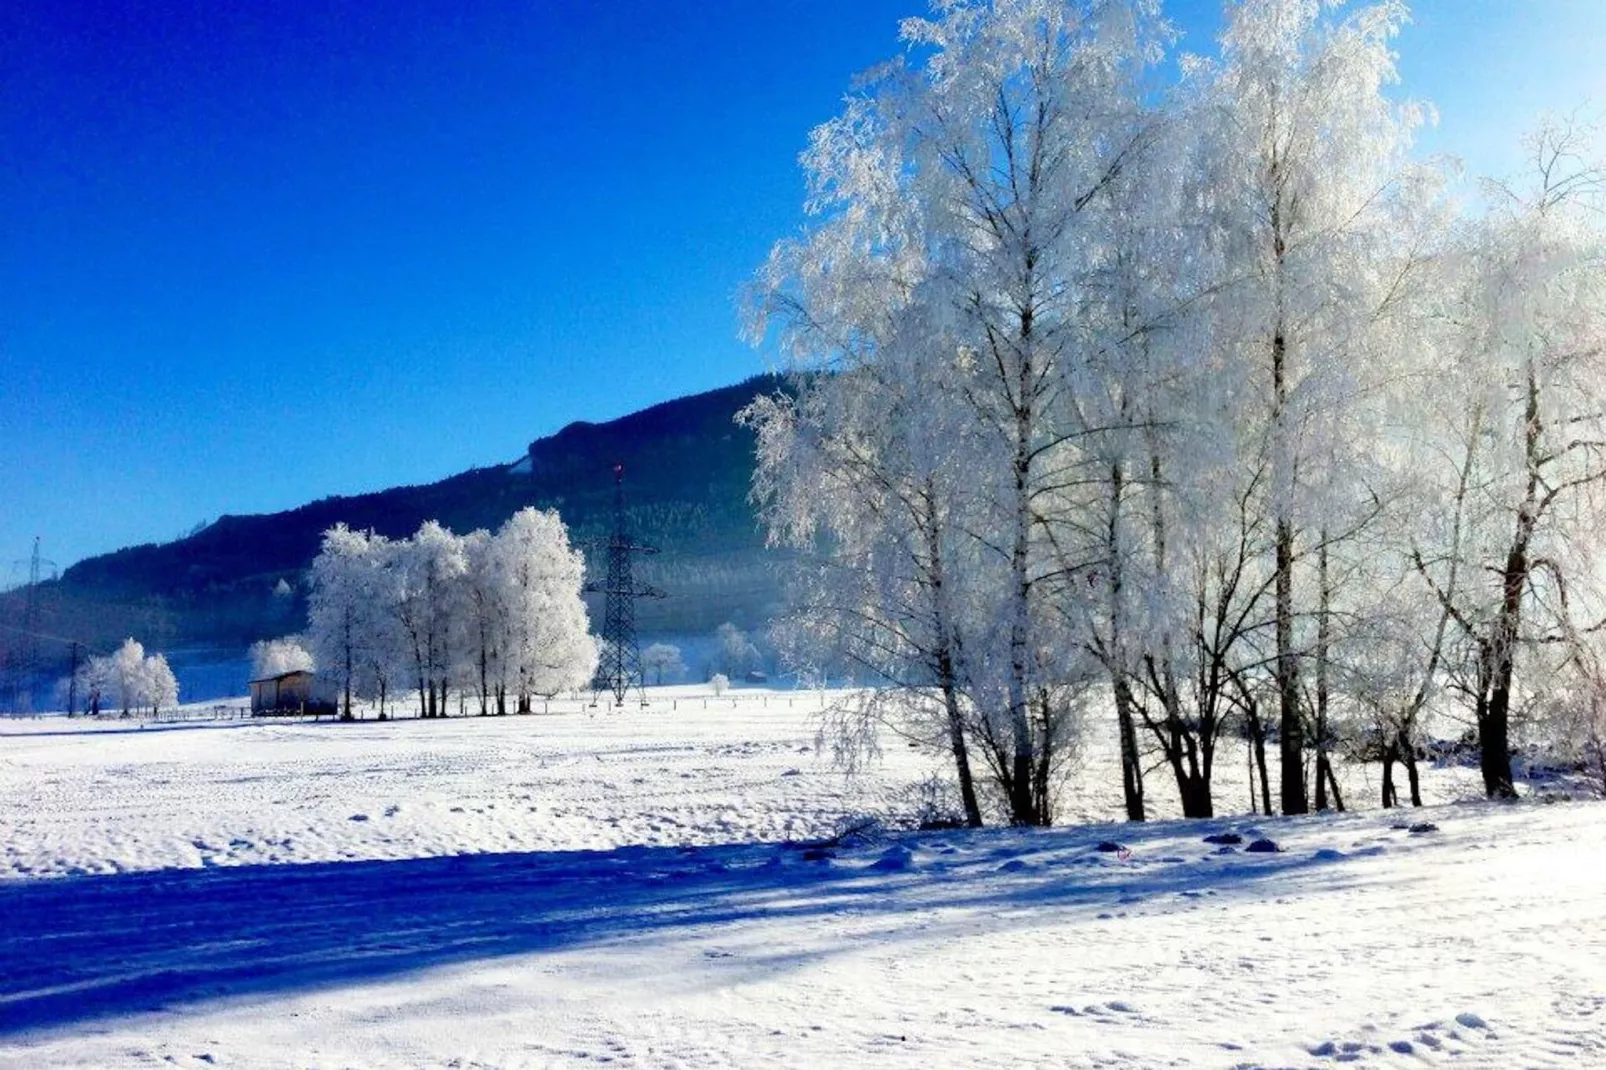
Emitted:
pixel 256 254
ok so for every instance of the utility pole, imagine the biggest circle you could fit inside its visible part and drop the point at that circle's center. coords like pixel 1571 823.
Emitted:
pixel 620 667
pixel 72 681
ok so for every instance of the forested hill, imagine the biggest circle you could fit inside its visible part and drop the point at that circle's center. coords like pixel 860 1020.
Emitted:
pixel 687 469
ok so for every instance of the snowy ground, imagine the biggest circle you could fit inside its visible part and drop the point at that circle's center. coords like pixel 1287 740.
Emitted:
pixel 613 889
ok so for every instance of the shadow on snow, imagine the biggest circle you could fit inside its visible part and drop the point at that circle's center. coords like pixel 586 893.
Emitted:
pixel 79 948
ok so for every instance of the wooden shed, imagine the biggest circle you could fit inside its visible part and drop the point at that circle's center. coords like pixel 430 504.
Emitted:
pixel 289 692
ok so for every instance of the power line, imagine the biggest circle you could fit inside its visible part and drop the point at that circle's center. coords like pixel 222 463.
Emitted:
pixel 50 638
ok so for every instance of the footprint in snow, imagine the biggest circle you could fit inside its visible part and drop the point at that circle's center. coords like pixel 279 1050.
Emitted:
pixel 358 817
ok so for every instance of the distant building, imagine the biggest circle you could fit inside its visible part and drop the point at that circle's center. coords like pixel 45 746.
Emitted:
pixel 297 691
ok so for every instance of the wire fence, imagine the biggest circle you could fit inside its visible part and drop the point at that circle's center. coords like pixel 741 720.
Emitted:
pixel 468 708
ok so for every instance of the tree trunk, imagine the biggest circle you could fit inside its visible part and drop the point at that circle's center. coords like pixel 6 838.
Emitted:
pixel 1258 736
pixel 961 752
pixel 1131 768
pixel 1196 801
pixel 1022 766
pixel 947 673
pixel 1338 796
pixel 1391 797
pixel 1021 810
pixel 1249 760
pixel 485 684
pixel 1324 619
pixel 347 682
pixel 1291 736
pixel 1494 728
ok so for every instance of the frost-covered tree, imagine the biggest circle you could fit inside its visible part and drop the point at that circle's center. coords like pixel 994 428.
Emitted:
pixel 1520 454
pixel 130 679
pixel 128 675
pixel 350 630
pixel 427 570
pixel 734 652
pixel 1304 148
pixel 870 459
pixel 549 645
pixel 158 687
pixel 978 188
pixel 485 627
pixel 95 682
pixel 275 657
pixel 662 661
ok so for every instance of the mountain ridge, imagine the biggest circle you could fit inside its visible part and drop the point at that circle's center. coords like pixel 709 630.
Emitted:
pixel 688 467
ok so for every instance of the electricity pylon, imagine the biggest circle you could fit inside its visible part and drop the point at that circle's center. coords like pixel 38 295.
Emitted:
pixel 620 668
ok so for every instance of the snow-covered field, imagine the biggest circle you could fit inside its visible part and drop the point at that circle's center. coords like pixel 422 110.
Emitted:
pixel 601 888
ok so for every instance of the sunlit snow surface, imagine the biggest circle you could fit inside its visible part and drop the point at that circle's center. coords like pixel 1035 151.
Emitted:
pixel 589 889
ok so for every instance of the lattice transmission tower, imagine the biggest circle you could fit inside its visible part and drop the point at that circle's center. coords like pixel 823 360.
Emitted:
pixel 619 670
pixel 28 667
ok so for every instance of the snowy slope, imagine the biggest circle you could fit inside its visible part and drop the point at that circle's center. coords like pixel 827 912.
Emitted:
pixel 627 904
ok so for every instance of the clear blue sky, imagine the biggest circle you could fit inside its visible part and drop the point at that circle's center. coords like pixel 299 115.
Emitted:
pixel 253 254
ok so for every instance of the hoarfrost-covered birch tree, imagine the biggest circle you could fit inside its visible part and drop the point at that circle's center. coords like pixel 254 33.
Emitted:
pixel 663 661
pixel 980 188
pixel 343 611
pixel 1527 352
pixel 549 645
pixel 1306 148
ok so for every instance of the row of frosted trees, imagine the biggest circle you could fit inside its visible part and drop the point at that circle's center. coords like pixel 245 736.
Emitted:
pixel 1190 398
pixel 128 680
pixel 496 616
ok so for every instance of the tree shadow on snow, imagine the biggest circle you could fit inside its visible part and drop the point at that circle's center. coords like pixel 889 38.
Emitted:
pixel 80 948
